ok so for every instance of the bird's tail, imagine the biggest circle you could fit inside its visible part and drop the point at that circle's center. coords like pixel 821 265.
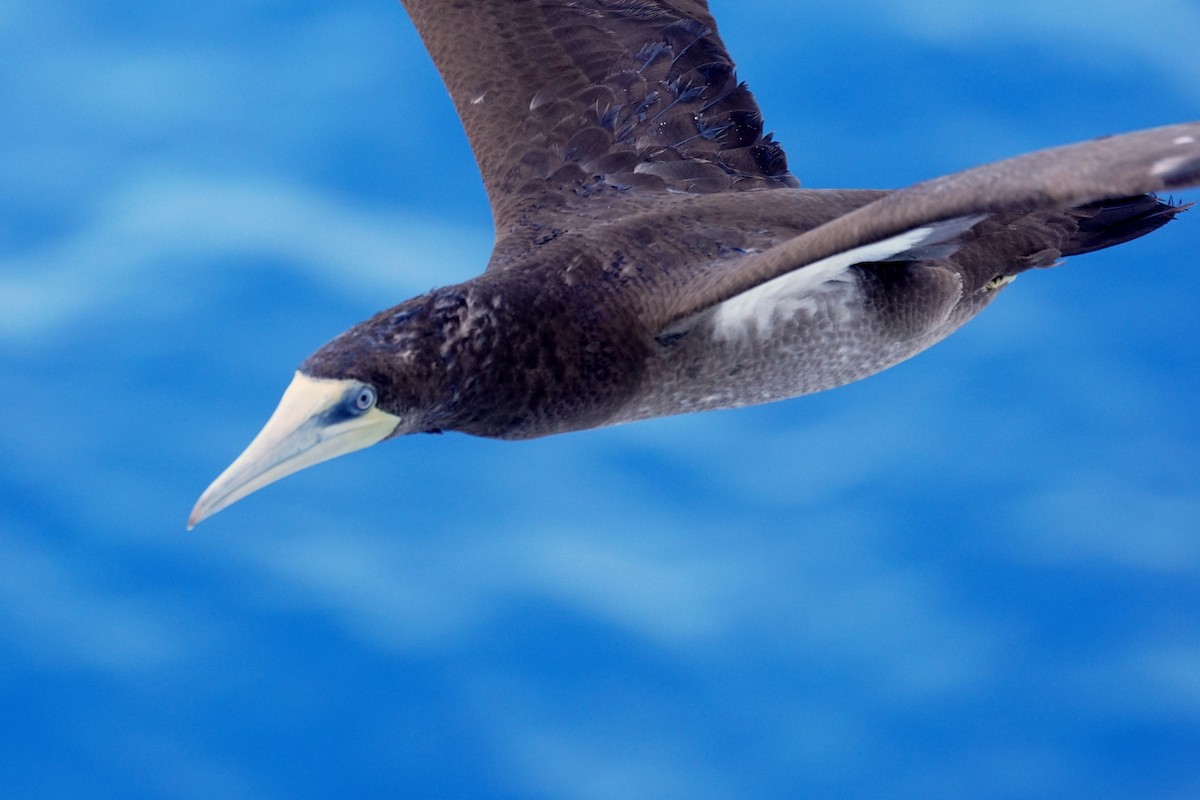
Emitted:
pixel 1110 222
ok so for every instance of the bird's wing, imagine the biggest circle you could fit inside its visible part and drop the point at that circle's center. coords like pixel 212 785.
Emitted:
pixel 930 217
pixel 567 100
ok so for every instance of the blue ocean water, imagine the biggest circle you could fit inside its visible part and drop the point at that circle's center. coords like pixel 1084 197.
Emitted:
pixel 973 575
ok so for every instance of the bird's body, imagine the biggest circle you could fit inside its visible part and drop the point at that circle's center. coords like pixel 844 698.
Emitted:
pixel 570 338
pixel 654 255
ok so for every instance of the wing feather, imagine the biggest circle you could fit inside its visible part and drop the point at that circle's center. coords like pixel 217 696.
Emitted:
pixel 1066 180
pixel 568 100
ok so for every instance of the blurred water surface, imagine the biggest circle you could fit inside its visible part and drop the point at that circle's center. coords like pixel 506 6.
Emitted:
pixel 973 575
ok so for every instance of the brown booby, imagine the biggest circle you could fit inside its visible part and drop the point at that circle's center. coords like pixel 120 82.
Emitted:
pixel 654 255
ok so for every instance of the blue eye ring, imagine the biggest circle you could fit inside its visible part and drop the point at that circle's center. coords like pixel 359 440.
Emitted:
pixel 365 399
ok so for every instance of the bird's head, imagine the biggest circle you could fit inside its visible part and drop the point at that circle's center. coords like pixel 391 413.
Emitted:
pixel 359 389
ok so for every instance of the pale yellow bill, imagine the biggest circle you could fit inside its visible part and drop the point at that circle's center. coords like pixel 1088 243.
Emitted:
pixel 306 428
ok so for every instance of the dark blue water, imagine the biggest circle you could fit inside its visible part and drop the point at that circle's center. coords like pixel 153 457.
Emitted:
pixel 973 575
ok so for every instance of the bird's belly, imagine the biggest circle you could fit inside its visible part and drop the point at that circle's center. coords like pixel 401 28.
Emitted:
pixel 824 342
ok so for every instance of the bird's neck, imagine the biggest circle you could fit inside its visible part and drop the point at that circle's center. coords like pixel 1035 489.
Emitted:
pixel 524 359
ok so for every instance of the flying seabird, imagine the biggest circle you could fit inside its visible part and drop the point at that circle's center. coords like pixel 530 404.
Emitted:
pixel 654 255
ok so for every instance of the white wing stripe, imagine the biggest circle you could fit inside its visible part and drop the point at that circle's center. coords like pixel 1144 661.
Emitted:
pixel 758 308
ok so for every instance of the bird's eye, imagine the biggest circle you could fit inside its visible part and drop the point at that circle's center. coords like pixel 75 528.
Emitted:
pixel 365 398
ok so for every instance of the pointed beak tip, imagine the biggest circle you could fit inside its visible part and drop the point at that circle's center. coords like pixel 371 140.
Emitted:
pixel 205 507
pixel 196 517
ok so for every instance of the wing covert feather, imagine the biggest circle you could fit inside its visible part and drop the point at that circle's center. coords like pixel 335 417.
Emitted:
pixel 565 100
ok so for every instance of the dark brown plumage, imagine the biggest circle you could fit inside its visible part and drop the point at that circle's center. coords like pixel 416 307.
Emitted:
pixel 655 256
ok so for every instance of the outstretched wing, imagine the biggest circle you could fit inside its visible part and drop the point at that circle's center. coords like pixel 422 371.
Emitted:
pixel 565 100
pixel 1075 180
